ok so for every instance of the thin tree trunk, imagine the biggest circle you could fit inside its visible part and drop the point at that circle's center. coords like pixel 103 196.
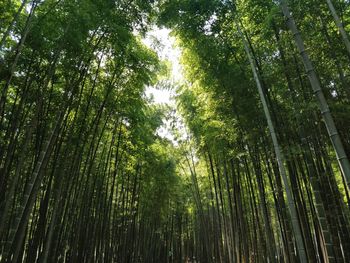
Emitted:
pixel 316 86
pixel 339 25
pixel 19 48
pixel 14 20
pixel 279 155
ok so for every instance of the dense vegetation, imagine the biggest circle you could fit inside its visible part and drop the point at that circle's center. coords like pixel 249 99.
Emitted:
pixel 261 174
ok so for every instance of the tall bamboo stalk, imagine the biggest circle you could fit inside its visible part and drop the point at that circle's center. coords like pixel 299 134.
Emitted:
pixel 339 24
pixel 278 152
pixel 316 86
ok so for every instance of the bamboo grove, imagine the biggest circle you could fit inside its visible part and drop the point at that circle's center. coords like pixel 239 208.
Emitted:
pixel 259 173
pixel 78 144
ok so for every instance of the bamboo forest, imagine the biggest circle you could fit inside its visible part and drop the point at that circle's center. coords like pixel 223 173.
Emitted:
pixel 174 131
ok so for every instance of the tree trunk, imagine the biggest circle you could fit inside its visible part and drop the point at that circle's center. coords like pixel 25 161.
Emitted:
pixel 339 25
pixel 279 155
pixel 316 86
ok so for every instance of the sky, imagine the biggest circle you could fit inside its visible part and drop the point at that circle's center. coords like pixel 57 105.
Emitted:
pixel 160 40
pixel 164 44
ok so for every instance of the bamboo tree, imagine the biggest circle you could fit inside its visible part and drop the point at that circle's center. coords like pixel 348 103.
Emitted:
pixel 339 24
pixel 279 155
pixel 14 20
pixel 17 52
pixel 316 86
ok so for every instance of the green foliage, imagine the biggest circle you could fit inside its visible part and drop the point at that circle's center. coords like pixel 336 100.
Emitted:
pixel 220 105
pixel 84 175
